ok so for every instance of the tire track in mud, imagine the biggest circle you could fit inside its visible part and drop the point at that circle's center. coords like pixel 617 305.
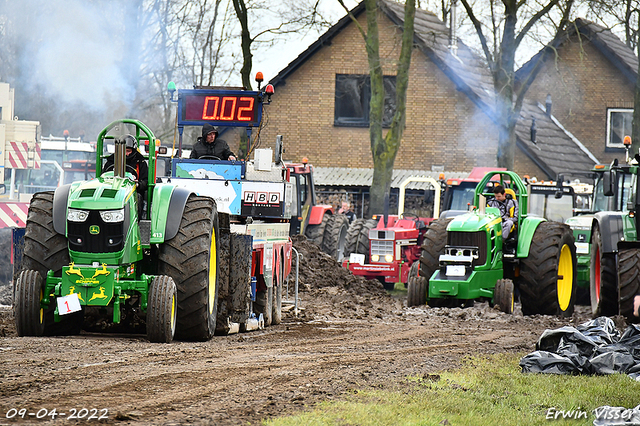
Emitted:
pixel 245 377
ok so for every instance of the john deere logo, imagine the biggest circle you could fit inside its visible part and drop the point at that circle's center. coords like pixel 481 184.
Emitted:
pixel 94 229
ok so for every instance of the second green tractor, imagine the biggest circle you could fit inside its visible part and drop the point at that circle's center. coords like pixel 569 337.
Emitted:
pixel 465 258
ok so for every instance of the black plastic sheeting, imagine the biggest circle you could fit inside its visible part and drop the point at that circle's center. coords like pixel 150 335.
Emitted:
pixel 594 347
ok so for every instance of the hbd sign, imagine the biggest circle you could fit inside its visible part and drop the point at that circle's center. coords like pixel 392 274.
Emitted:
pixel 262 199
pixel 250 197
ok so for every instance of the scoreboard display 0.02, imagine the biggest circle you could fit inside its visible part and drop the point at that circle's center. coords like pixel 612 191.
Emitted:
pixel 219 108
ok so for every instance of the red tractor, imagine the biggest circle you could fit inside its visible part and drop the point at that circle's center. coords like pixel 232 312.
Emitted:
pixel 318 222
pixel 389 251
pixel 458 194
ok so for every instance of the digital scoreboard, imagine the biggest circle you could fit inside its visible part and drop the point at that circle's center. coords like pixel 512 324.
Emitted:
pixel 237 108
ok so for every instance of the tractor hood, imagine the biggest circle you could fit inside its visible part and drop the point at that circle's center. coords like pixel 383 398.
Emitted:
pixel 580 222
pixel 100 218
pixel 473 221
pixel 104 193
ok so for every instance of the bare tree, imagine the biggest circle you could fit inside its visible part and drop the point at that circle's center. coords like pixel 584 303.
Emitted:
pixel 276 20
pixel 500 52
pixel 617 13
pixel 385 149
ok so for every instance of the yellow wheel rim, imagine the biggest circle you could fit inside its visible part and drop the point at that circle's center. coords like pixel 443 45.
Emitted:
pixel 173 313
pixel 212 272
pixel 41 309
pixel 565 278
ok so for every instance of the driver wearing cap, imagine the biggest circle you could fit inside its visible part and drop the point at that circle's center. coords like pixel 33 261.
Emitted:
pixel 210 146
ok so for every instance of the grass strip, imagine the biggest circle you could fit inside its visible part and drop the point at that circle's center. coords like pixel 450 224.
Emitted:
pixel 484 391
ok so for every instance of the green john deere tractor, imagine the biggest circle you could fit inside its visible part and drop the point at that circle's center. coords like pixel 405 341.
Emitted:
pixel 465 259
pixel 98 248
pixel 615 240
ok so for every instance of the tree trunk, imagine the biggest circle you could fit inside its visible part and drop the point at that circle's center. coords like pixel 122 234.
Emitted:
pixel 384 150
pixel 507 131
pixel 635 125
pixel 247 56
pixel 504 89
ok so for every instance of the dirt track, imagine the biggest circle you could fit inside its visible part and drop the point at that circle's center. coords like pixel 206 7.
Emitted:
pixel 351 335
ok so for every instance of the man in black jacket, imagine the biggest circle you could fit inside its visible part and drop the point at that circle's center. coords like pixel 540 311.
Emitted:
pixel 210 145
pixel 136 164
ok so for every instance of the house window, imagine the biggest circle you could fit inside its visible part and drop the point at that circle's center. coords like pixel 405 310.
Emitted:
pixel 353 93
pixel 618 126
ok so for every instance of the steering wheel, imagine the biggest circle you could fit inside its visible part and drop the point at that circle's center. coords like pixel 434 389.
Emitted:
pixel 129 169
pixel 209 157
pixel 407 215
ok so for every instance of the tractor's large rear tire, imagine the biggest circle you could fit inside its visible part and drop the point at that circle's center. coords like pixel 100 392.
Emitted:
pixel 603 279
pixel 335 235
pixel 161 310
pixel 315 233
pixel 548 276
pixel 29 315
pixel 45 250
pixel 357 240
pixel 629 279
pixel 191 259
pixel 433 246
pixel 416 287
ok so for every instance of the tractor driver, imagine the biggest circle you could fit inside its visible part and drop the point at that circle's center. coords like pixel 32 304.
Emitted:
pixel 135 162
pixel 508 209
pixel 210 146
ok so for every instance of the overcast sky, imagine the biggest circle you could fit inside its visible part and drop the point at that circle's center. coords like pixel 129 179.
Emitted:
pixel 274 60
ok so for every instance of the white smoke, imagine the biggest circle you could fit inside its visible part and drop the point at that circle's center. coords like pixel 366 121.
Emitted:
pixel 77 55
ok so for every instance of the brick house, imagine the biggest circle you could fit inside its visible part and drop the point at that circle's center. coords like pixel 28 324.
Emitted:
pixel 321 105
pixel 591 77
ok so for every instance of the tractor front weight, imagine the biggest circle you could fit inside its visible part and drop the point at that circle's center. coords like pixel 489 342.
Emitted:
pixel 97 286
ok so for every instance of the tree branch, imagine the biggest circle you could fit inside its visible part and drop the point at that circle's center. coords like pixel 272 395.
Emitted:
pixel 483 40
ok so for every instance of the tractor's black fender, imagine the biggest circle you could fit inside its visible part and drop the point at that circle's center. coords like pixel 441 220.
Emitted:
pixel 452 213
pixel 177 202
pixel 60 203
pixel 611 230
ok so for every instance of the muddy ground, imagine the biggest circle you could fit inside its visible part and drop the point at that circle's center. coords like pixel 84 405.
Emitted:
pixel 351 334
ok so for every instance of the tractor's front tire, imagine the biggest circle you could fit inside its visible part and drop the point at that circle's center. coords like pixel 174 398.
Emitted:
pixel 335 235
pixel 357 240
pixel 432 247
pixel 162 310
pixel 628 278
pixel 191 259
pixel 416 287
pixel 29 315
pixel 264 305
pixel 548 275
pixel 603 279
pixel 503 296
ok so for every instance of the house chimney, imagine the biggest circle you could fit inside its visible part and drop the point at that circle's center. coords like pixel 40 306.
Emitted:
pixel 453 39
pixel 534 130
pixel 548 104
